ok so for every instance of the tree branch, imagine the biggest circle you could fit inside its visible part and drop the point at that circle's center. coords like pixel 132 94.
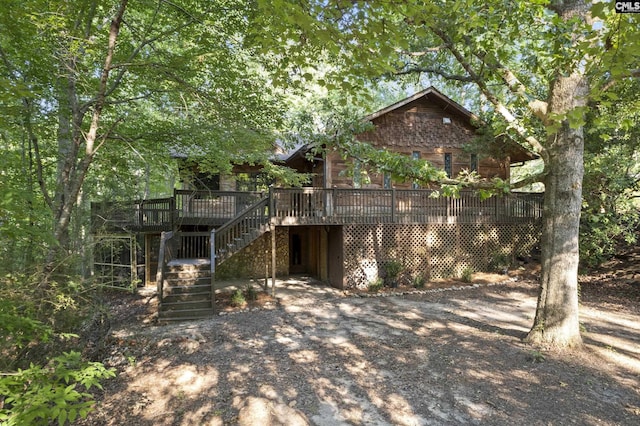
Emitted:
pixel 538 177
pixel 437 71
pixel 36 150
pixel 422 52
pixel 631 74
pixel 500 107
pixel 537 106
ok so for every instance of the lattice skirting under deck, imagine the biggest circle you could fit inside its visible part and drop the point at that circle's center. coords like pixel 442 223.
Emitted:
pixel 433 250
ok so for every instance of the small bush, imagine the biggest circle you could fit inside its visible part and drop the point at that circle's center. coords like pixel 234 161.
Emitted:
pixel 392 269
pixel 251 293
pixel 376 285
pixel 419 280
pixel 56 392
pixel 238 299
pixel 467 275
pixel 500 262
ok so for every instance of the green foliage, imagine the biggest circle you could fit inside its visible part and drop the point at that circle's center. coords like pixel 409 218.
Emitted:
pixel 610 210
pixel 419 280
pixel 499 262
pixel 536 356
pixel 58 391
pixel 467 275
pixel 19 329
pixel 375 285
pixel 392 269
pixel 238 299
pixel 251 293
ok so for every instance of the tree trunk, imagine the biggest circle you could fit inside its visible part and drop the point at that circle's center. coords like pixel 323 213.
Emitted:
pixel 556 321
pixel 74 170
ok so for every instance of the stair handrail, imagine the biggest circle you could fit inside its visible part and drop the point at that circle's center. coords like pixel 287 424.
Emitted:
pixel 164 255
pixel 252 211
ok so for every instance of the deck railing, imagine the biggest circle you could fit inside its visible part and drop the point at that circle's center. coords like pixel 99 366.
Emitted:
pixel 241 231
pixel 177 246
pixel 203 206
pixel 308 206
pixel 312 206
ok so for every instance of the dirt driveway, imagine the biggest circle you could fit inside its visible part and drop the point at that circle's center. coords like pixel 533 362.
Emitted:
pixel 317 357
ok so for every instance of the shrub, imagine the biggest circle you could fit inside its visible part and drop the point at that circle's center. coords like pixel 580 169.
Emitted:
pixel 237 298
pixel 57 391
pixel 500 262
pixel 419 280
pixel 467 275
pixel 375 286
pixel 392 269
pixel 251 293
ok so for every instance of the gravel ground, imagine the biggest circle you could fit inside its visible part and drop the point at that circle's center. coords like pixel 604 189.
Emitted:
pixel 317 356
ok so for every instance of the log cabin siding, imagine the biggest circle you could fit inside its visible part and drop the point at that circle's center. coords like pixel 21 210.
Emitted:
pixel 417 127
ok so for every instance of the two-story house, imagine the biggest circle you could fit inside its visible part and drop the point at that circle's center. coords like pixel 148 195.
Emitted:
pixel 344 229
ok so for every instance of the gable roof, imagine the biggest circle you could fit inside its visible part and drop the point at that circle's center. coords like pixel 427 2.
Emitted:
pixel 432 95
pixel 516 152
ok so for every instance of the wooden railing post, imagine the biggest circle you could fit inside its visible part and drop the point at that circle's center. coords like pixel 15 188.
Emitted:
pixel 393 205
pixel 272 203
pixel 141 214
pixel 173 211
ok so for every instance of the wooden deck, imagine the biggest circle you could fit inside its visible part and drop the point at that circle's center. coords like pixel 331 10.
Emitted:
pixel 312 206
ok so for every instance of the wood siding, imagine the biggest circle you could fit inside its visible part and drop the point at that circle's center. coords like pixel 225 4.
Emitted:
pixel 423 127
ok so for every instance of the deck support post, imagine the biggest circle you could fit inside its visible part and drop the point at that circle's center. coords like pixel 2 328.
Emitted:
pixel 273 260
pixel 265 287
pixel 212 247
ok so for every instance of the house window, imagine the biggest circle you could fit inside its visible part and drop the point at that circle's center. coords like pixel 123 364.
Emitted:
pixel 447 164
pixel 249 182
pixel 386 180
pixel 357 174
pixel 206 182
pixel 474 162
pixel 416 156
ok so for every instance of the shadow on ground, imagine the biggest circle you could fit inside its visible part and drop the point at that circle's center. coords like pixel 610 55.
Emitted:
pixel 317 357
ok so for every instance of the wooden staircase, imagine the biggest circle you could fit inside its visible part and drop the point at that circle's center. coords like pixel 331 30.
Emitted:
pixel 241 231
pixel 186 262
pixel 186 291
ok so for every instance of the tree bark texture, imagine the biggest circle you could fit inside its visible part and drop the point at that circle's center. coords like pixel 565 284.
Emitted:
pixel 72 174
pixel 556 322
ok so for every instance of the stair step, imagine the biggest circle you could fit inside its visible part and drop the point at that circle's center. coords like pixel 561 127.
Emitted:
pixel 186 305
pixel 176 281
pixel 189 265
pixel 184 315
pixel 190 274
pixel 187 298
pixel 186 289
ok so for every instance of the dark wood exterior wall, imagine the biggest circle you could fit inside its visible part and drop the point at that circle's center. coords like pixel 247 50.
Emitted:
pixel 419 127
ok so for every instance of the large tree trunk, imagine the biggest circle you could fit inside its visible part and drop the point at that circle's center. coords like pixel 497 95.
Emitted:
pixel 73 170
pixel 556 322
